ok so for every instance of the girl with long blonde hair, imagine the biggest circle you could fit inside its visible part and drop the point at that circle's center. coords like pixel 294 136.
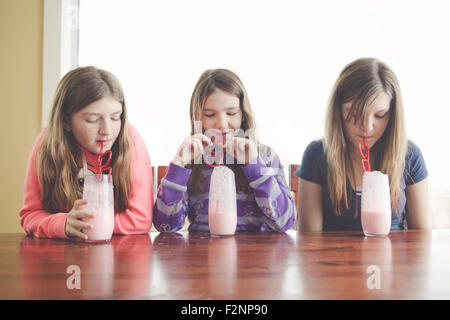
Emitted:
pixel 88 113
pixel 365 102
pixel 220 111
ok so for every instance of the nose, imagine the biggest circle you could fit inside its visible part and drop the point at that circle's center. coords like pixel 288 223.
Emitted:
pixel 367 125
pixel 105 128
pixel 222 122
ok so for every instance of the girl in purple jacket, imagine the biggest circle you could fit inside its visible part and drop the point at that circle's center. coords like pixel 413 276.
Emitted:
pixel 221 115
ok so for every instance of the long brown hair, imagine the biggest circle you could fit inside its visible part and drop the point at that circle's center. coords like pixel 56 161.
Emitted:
pixel 57 166
pixel 360 82
pixel 228 82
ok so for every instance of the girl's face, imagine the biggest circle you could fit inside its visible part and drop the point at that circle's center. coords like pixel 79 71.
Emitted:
pixel 96 123
pixel 372 126
pixel 221 112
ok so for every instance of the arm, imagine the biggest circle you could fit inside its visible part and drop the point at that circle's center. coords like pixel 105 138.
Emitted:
pixel 137 218
pixel 417 206
pixel 33 218
pixel 171 205
pixel 272 194
pixel 310 210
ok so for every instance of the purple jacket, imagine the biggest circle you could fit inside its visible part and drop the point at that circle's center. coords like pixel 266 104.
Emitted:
pixel 270 207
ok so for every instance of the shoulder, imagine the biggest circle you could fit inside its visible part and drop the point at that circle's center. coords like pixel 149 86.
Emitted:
pixel 38 143
pixel 314 154
pixel 135 137
pixel 36 151
pixel 137 145
pixel 134 133
pixel 41 137
pixel 313 166
pixel 315 149
pixel 414 156
pixel 413 151
pixel 415 167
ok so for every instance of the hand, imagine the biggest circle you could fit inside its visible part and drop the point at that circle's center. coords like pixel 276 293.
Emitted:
pixel 74 223
pixel 242 149
pixel 191 148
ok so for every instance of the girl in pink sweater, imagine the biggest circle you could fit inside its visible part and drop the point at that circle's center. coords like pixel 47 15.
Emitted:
pixel 88 111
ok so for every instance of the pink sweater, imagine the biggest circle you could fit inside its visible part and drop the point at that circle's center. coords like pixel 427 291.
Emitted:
pixel 137 218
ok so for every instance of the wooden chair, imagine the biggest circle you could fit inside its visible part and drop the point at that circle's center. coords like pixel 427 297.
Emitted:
pixel 162 170
pixel 293 182
pixel 160 173
pixel 153 174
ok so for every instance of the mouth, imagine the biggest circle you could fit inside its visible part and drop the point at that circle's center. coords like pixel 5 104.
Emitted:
pixel 215 138
pixel 104 142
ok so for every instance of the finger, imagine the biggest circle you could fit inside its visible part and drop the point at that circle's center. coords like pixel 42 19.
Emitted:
pixel 79 224
pixel 242 144
pixel 199 146
pixel 185 151
pixel 204 140
pixel 76 233
pixel 194 147
pixel 79 203
pixel 240 150
pixel 193 152
pixel 229 146
pixel 197 136
pixel 236 144
pixel 199 152
pixel 83 215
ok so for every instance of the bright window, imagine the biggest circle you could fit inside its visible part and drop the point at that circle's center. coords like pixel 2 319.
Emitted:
pixel 287 53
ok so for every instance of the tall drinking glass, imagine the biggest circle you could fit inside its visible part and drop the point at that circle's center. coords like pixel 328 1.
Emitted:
pixel 98 190
pixel 222 210
pixel 375 204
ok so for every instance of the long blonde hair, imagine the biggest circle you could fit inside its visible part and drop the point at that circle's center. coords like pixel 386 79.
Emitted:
pixel 361 81
pixel 228 82
pixel 57 167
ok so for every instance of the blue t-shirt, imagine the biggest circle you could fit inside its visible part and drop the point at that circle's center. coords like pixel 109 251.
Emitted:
pixel 314 168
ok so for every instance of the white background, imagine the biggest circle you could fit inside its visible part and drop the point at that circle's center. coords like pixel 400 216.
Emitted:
pixel 288 55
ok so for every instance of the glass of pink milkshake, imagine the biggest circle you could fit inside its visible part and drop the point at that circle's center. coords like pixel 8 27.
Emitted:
pixel 222 210
pixel 375 204
pixel 98 190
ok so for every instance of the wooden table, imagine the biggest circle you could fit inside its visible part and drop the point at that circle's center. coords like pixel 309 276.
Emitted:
pixel 315 265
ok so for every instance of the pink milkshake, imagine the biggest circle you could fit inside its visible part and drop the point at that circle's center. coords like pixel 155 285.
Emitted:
pixel 222 211
pixel 98 190
pixel 375 204
pixel 222 223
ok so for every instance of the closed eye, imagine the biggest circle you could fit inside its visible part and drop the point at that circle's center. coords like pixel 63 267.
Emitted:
pixel 381 116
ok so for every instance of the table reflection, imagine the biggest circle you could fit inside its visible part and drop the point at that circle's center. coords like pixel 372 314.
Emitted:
pixel 222 265
pixel 264 261
pixel 313 265
pixel 376 262
pixel 201 266
pixel 413 264
pixel 120 267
